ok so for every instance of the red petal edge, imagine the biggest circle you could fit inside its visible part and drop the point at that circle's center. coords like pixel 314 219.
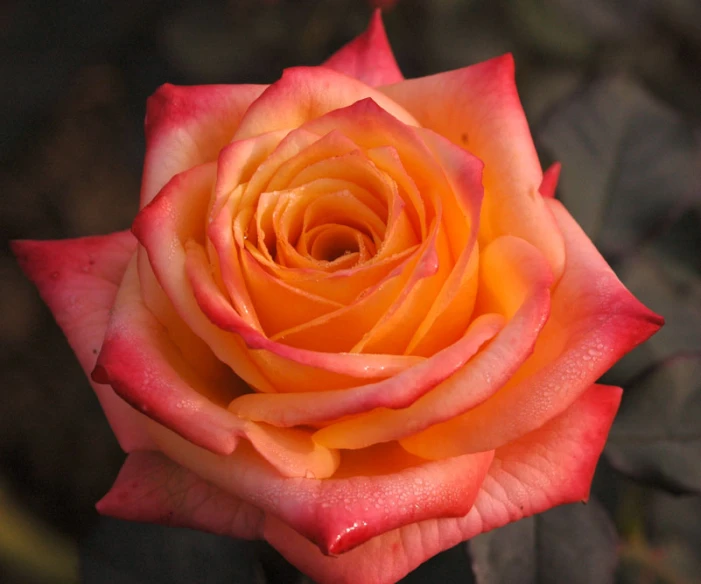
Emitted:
pixel 368 57
pixel 550 180
pixel 548 467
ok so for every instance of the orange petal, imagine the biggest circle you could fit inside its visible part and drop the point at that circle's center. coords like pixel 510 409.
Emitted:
pixel 163 227
pixel 399 391
pixel 482 376
pixel 289 369
pixel 478 108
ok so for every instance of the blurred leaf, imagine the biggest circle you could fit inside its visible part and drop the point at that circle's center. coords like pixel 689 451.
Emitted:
pixel 449 567
pixel 685 14
pixel 656 437
pixel 573 543
pixel 31 549
pixel 122 552
pixel 543 88
pixel 538 22
pixel 665 276
pixel 606 19
pixel 674 526
pixel 628 163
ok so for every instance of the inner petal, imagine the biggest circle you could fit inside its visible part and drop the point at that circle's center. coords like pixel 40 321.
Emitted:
pixel 341 330
pixel 301 211
pixel 343 208
pixel 355 168
pixel 333 242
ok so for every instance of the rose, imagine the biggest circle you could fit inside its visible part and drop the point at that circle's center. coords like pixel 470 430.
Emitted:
pixel 355 321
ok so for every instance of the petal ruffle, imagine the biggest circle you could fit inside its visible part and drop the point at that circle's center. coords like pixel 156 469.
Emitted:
pixel 78 279
pixel 336 514
pixel 368 57
pixel 399 391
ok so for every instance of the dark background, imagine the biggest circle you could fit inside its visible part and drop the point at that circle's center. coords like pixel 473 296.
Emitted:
pixel 612 88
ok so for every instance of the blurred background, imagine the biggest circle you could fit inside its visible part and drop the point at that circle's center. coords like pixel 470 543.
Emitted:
pixel 612 89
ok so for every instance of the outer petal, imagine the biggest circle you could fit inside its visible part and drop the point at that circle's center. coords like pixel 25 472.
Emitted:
pixel 153 489
pixel 187 126
pixel 336 514
pixel 593 322
pixel 478 108
pixel 549 467
pixel 78 280
pixel 369 57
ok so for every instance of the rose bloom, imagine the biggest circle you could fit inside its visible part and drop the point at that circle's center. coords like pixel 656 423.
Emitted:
pixel 349 317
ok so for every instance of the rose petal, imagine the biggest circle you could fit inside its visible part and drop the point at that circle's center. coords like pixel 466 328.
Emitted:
pixel 368 57
pixel 478 109
pixel 238 162
pixel 78 280
pixel 147 370
pixel 548 467
pixel 398 391
pixel 392 332
pixel 514 282
pixel 336 514
pixel 341 287
pixel 187 126
pixel 593 322
pixel 305 93
pixel 451 311
pixel 550 179
pixel 339 331
pixel 290 369
pixel 178 215
pixel 297 150
pixel 153 489
pixel 370 126
pixel 269 294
